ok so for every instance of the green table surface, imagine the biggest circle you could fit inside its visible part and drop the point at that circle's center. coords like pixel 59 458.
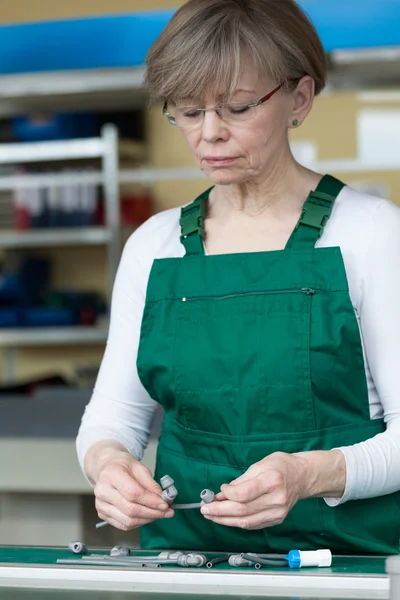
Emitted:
pixel 351 565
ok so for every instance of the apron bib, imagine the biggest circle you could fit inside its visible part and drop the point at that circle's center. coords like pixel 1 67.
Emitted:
pixel 251 354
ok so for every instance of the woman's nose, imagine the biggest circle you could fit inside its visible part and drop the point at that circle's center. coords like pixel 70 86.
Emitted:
pixel 214 128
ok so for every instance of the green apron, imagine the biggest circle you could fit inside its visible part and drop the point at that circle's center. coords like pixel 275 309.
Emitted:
pixel 251 354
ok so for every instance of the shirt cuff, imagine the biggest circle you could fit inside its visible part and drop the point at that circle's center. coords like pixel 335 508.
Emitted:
pixel 332 502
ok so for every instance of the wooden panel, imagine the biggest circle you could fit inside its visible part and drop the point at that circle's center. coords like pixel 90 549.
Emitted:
pixel 23 11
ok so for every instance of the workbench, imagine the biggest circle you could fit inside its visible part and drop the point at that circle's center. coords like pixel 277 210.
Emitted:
pixel 33 572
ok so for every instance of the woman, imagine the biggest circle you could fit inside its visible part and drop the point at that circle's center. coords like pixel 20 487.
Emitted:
pixel 241 315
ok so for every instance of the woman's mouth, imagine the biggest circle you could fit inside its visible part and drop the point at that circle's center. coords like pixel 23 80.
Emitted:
pixel 220 161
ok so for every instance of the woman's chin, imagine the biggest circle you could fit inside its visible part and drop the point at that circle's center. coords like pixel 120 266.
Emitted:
pixel 224 176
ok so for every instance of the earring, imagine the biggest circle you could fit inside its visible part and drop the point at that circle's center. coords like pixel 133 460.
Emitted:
pixel 295 123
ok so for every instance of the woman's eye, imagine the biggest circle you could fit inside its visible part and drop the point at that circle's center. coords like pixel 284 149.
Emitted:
pixel 191 114
pixel 237 110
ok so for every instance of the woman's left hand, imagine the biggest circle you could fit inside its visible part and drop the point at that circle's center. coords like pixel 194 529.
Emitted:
pixel 262 496
pixel 268 490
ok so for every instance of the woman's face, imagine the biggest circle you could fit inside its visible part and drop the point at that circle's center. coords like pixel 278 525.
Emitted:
pixel 235 152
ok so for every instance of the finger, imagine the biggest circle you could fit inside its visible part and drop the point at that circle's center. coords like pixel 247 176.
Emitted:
pixel 258 521
pixel 252 471
pixel 143 476
pixel 108 494
pixel 248 490
pixel 108 512
pixel 236 509
pixel 220 497
pixel 132 491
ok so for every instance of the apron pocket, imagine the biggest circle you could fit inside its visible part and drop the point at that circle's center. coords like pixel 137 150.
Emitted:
pixel 242 363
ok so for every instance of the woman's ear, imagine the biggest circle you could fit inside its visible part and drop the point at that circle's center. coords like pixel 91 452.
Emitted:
pixel 303 97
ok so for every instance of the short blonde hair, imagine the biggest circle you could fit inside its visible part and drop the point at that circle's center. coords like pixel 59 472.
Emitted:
pixel 205 45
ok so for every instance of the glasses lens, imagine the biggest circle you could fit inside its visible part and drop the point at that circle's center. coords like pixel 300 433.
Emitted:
pixel 236 112
pixel 186 116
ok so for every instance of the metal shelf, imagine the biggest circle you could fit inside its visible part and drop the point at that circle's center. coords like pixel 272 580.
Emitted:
pixel 82 236
pixel 116 88
pixel 54 336
pixel 32 181
pixel 51 151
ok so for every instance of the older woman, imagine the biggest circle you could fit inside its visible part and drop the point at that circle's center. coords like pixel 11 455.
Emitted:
pixel 241 315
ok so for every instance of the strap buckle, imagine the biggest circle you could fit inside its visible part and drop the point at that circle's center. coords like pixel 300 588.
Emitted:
pixel 192 222
pixel 316 210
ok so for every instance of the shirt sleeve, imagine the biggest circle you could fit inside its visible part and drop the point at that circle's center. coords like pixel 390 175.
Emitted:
pixel 373 466
pixel 120 408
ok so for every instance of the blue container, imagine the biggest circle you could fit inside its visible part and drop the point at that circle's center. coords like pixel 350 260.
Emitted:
pixel 9 317
pixel 55 126
pixel 48 317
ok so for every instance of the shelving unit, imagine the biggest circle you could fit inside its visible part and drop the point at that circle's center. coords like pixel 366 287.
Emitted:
pixel 82 236
pixel 105 148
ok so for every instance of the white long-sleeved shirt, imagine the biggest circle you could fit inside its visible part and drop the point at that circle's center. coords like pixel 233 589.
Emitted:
pixel 367 229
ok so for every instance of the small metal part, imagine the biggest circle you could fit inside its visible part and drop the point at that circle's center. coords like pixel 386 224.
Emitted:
pixel 169 494
pixel 120 551
pixel 235 560
pixel 192 560
pixel 207 496
pixel 166 555
pixel 101 524
pixel 169 490
pixel 166 482
pixel 78 547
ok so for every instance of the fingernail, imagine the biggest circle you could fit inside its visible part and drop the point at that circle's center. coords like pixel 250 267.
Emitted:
pixel 162 506
pixel 169 514
pixel 205 510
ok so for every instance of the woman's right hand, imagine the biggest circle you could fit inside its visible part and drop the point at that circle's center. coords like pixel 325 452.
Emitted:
pixel 126 494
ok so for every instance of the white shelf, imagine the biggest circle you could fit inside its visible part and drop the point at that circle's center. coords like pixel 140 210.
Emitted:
pixel 53 336
pixel 50 151
pixel 27 181
pixel 40 238
pixel 116 88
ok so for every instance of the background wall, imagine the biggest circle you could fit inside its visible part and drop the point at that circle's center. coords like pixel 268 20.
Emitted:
pixel 24 11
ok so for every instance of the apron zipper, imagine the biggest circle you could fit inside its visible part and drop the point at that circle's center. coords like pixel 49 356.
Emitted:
pixel 305 290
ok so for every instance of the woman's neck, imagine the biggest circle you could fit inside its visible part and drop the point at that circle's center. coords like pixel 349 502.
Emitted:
pixel 282 191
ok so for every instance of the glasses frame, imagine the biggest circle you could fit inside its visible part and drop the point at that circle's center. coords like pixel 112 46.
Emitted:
pixel 217 109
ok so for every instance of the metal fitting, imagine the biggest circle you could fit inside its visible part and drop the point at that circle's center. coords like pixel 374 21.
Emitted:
pixel 120 551
pixel 166 482
pixel 170 492
pixel 237 561
pixel 77 547
pixel 192 560
pixel 207 496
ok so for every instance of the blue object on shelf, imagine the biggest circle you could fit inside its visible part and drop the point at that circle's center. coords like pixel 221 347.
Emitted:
pixel 9 288
pixel 124 40
pixel 54 126
pixel 9 317
pixel 48 317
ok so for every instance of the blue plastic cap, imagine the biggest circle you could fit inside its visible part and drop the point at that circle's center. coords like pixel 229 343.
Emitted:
pixel 294 559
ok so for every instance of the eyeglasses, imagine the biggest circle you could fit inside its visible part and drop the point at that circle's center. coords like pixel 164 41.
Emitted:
pixel 189 117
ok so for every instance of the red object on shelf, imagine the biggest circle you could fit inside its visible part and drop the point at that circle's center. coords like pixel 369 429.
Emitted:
pixel 135 209
pixel 22 218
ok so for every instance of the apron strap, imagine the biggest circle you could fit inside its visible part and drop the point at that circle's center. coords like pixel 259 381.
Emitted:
pixel 192 225
pixel 316 211
pixel 315 214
